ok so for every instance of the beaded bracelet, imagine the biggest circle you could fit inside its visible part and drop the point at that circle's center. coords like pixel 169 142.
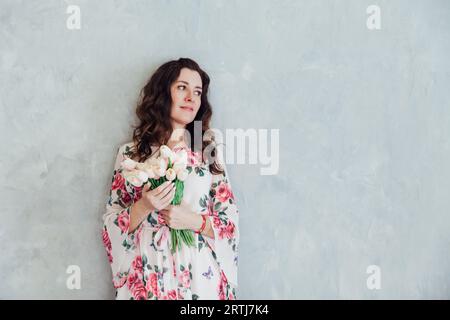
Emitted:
pixel 203 224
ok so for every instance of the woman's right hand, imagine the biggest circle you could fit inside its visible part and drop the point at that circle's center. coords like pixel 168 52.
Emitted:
pixel 158 198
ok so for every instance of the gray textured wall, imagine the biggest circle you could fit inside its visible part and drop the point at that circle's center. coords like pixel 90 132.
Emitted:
pixel 364 123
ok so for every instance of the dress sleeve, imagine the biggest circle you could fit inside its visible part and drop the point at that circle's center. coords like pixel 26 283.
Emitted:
pixel 224 217
pixel 121 245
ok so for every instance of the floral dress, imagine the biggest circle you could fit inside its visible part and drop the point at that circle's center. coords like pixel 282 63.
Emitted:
pixel 142 264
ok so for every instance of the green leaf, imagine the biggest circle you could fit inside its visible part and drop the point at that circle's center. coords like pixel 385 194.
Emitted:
pixel 144 259
pixel 151 220
pixel 202 201
pixel 182 236
pixel 173 239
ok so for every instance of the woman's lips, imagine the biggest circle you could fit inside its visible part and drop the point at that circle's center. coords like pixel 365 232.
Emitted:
pixel 187 108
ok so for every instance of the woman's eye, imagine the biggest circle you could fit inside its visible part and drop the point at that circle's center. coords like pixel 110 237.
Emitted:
pixel 198 92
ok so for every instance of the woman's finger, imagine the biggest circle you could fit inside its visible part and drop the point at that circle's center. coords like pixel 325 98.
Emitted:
pixel 146 187
pixel 169 195
pixel 165 187
pixel 166 192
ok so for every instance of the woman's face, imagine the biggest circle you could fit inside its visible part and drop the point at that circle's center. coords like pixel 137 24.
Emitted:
pixel 186 94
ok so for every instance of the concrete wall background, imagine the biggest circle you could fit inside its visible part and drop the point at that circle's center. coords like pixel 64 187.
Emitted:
pixel 364 123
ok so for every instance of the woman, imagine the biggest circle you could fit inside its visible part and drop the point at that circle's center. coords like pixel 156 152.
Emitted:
pixel 137 220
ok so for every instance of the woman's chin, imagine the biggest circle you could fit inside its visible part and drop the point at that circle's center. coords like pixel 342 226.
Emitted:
pixel 185 120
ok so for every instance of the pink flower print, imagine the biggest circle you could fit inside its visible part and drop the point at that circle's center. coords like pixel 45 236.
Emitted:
pixel 106 240
pixel 132 278
pixel 222 285
pixel 107 244
pixel 123 221
pixel 126 198
pixel 172 295
pixel 227 231
pixel 224 192
pixel 119 181
pixel 137 265
pixel 161 220
pixel 137 195
pixel 138 290
pixel 185 279
pixel 217 222
pixel 152 284
pixel 193 159
pixel 119 280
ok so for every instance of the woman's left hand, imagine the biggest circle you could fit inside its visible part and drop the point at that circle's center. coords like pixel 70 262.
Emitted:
pixel 179 217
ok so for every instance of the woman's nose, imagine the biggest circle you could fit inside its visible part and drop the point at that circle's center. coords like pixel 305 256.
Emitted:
pixel 188 97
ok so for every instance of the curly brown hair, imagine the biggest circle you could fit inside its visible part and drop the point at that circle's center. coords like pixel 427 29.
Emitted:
pixel 153 113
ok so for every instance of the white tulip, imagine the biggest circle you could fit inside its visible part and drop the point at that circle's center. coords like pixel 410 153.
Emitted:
pixel 149 170
pixel 133 178
pixel 165 151
pixel 143 176
pixel 173 158
pixel 152 161
pixel 179 166
pixel 182 174
pixel 161 171
pixel 171 174
pixel 162 163
pixel 182 158
pixel 129 164
pixel 140 166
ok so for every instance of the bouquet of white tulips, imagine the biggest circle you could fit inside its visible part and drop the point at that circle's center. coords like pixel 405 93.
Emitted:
pixel 168 166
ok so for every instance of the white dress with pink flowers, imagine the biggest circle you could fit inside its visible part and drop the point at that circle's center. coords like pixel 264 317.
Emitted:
pixel 141 262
